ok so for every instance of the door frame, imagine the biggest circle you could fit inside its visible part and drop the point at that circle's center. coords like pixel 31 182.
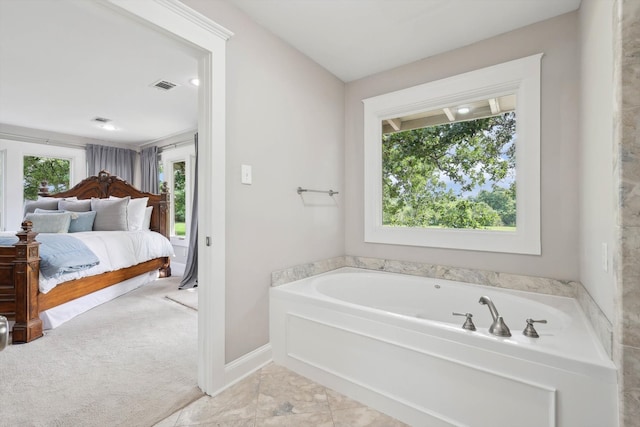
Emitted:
pixel 183 23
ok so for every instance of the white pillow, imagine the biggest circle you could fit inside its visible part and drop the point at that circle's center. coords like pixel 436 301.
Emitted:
pixel 146 224
pixel 136 209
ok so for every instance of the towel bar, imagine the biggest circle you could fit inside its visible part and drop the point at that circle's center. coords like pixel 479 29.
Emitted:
pixel 302 190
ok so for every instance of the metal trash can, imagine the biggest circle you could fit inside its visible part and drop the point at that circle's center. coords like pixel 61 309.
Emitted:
pixel 4 332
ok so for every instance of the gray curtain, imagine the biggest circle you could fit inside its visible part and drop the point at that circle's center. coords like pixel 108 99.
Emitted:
pixel 149 170
pixel 190 278
pixel 117 161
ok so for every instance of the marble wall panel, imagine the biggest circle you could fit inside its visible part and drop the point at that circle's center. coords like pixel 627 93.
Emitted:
pixel 303 271
pixel 627 146
pixel 602 326
pixel 630 401
pixel 480 277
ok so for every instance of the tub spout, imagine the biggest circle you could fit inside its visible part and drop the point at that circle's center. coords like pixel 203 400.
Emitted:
pixel 498 327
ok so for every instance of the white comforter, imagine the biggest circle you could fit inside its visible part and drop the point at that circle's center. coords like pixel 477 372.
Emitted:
pixel 116 250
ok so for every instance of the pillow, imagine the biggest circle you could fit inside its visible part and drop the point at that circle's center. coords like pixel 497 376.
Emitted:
pixel 82 221
pixel 135 212
pixel 111 215
pixel 42 203
pixel 146 224
pixel 49 222
pixel 75 205
pixel 38 210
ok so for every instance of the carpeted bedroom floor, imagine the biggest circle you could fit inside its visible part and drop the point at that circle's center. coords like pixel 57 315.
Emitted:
pixel 129 362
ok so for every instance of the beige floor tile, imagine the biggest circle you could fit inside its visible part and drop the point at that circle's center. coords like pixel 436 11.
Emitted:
pixel 169 421
pixel 229 423
pixel 237 402
pixel 275 396
pixel 322 419
pixel 364 417
pixel 284 393
pixel 286 401
pixel 339 401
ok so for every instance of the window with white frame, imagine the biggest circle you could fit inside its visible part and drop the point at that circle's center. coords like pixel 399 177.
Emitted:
pixel 455 163
pixel 176 170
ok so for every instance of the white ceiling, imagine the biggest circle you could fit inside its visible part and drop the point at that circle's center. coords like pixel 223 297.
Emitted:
pixel 357 38
pixel 65 62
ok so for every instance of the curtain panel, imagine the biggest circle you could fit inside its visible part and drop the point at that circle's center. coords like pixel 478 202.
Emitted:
pixel 149 170
pixel 117 161
pixel 190 277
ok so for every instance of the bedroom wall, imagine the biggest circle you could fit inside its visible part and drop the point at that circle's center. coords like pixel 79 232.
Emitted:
pixel 597 198
pixel 557 39
pixel 15 152
pixel 285 118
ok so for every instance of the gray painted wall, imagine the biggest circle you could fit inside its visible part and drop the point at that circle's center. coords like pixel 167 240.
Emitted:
pixel 557 39
pixel 597 221
pixel 285 118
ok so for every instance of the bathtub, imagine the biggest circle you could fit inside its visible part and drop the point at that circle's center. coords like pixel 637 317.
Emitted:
pixel 391 341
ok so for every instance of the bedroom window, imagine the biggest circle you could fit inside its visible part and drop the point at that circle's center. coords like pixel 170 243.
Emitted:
pixel 55 171
pixel 177 171
pixel 179 200
pixel 443 160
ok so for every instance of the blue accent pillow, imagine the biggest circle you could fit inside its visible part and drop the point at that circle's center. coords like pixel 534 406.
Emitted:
pixel 80 221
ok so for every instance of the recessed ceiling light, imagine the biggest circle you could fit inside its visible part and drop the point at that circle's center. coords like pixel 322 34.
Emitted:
pixel 463 110
pixel 195 81
pixel 108 126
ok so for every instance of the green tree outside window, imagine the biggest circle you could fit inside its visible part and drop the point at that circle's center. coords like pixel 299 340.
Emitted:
pixel 454 175
pixel 37 169
pixel 179 200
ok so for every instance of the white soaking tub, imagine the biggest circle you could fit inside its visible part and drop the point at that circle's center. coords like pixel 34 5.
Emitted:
pixel 391 342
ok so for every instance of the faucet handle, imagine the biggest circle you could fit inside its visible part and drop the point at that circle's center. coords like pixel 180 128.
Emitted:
pixel 468 323
pixel 529 330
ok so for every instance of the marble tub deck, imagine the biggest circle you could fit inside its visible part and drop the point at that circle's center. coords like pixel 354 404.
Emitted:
pixel 276 396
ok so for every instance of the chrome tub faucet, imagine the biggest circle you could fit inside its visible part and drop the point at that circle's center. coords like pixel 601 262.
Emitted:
pixel 498 327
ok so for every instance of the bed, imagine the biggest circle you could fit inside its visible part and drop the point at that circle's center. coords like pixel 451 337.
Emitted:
pixel 21 297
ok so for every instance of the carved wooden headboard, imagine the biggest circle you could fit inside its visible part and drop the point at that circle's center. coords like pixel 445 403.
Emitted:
pixel 104 185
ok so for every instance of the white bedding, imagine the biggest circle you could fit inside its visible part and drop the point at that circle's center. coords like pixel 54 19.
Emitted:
pixel 116 250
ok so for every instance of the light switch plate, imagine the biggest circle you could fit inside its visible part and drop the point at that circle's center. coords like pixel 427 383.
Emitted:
pixel 246 174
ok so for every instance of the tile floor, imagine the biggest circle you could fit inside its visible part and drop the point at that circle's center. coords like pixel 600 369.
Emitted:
pixel 276 396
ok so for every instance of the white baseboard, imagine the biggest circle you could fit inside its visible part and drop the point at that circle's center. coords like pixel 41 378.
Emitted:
pixel 177 268
pixel 246 365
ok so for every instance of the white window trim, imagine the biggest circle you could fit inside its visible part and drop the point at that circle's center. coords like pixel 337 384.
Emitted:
pixel 168 158
pixel 522 77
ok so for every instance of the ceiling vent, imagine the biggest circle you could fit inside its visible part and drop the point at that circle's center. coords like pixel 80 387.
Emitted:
pixel 164 85
pixel 101 120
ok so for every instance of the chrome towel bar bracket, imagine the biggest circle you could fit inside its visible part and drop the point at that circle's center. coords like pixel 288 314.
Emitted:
pixel 303 190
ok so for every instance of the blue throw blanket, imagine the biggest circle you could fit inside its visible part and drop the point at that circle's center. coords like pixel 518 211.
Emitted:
pixel 60 254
